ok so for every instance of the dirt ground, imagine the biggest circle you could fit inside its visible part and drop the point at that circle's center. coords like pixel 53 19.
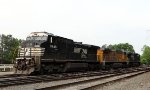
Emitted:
pixel 141 82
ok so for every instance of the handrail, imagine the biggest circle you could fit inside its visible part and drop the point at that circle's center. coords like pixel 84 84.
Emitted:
pixel 6 67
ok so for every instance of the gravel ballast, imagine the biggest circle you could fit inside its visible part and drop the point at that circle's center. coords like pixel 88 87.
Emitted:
pixel 141 82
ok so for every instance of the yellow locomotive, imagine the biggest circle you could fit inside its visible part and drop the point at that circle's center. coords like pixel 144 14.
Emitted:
pixel 114 58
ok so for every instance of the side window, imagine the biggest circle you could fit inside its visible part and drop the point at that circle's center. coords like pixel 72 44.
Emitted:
pixel 51 40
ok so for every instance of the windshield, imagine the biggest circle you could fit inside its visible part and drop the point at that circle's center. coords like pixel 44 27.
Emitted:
pixel 34 41
pixel 37 38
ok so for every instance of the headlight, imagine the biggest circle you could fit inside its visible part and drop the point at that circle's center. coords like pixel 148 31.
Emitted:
pixel 27 62
pixel 16 62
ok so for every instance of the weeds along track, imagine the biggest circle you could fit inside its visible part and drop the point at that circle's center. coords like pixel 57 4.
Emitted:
pixel 92 76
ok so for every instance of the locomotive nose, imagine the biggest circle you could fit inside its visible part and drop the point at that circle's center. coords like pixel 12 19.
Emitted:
pixel 21 64
pixel 24 65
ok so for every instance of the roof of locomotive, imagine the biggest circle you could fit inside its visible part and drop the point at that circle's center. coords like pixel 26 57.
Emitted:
pixel 113 50
pixel 39 34
pixel 77 43
pixel 85 45
pixel 62 38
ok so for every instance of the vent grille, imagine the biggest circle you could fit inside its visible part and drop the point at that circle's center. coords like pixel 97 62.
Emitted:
pixel 31 52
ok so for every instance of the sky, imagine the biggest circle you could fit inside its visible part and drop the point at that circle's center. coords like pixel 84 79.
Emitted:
pixel 95 22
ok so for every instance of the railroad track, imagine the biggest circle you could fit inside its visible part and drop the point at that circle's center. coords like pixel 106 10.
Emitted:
pixel 114 79
pixel 10 76
pixel 95 82
pixel 23 80
pixel 10 80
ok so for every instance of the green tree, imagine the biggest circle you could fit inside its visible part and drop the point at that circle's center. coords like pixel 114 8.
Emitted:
pixel 145 58
pixel 10 48
pixel 122 46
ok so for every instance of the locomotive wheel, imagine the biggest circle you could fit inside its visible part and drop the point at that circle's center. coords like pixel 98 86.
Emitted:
pixel 65 67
